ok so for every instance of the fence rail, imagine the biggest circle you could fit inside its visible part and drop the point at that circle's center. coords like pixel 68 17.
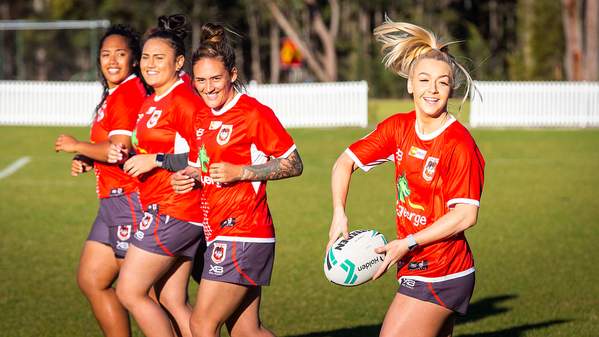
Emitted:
pixel 535 104
pixel 296 105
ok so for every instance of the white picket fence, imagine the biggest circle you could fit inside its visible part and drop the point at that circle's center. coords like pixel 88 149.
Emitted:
pixel 535 104
pixel 296 105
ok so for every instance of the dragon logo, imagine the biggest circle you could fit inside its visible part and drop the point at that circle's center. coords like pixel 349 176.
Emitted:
pixel 403 192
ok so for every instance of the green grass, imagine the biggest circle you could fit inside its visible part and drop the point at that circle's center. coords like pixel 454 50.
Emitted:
pixel 535 243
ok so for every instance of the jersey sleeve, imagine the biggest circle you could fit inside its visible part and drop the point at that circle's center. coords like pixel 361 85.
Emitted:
pixel 464 179
pixel 185 127
pixel 268 134
pixel 123 113
pixel 375 148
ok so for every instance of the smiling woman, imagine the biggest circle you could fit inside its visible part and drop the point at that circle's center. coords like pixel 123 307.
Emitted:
pixel 438 177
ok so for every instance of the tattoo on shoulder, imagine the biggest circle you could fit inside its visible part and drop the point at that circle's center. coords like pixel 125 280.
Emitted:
pixel 274 169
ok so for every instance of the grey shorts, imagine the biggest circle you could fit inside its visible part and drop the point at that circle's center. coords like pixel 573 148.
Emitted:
pixel 453 294
pixel 246 263
pixel 165 235
pixel 116 222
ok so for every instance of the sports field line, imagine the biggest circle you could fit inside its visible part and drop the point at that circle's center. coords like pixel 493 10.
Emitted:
pixel 14 167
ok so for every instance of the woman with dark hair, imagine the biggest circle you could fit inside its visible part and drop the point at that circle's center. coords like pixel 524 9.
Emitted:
pixel 120 208
pixel 171 230
pixel 439 174
pixel 242 145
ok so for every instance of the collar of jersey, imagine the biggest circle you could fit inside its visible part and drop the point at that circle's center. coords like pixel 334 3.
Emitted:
pixel 157 98
pixel 132 76
pixel 227 106
pixel 432 135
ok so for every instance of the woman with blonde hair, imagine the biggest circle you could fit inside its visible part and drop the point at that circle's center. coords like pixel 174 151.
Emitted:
pixel 439 180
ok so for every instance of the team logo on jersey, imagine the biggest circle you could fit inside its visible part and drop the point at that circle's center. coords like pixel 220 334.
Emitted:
pixel 417 152
pixel 146 221
pixel 429 168
pixel 219 252
pixel 214 125
pixel 124 232
pixel 224 134
pixel 154 118
pixel 204 159
pixel 199 133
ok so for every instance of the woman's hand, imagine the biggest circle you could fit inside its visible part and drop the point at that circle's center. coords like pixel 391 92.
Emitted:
pixel 116 153
pixel 393 251
pixel 184 180
pixel 339 226
pixel 225 172
pixel 140 164
pixel 66 143
pixel 79 166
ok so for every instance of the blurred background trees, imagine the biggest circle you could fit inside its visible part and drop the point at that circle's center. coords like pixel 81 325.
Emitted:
pixel 323 40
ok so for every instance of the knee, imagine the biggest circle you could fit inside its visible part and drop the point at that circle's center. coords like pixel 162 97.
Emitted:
pixel 89 284
pixel 126 294
pixel 203 328
pixel 172 303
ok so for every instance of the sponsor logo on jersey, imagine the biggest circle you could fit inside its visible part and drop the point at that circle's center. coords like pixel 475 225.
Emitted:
pixel 214 125
pixel 124 232
pixel 101 112
pixel 408 283
pixel 224 134
pixel 146 221
pixel 228 222
pixel 207 180
pixel 154 118
pixel 204 159
pixel 398 156
pixel 403 197
pixel 429 168
pixel 216 270
pixel 219 252
pixel 418 265
pixel 199 133
pixel 417 152
pixel 122 245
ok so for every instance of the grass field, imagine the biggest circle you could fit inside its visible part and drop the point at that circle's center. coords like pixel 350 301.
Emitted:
pixel 535 243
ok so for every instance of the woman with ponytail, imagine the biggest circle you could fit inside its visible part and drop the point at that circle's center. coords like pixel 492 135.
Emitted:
pixel 120 209
pixel 439 180
pixel 242 146
pixel 170 231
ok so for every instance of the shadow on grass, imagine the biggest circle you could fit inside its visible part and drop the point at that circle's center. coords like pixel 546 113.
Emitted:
pixel 517 331
pixel 485 307
pixel 478 310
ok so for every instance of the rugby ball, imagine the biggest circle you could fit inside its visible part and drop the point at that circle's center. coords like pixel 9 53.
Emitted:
pixel 353 261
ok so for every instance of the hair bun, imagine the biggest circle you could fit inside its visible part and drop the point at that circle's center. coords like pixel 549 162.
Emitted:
pixel 212 33
pixel 176 23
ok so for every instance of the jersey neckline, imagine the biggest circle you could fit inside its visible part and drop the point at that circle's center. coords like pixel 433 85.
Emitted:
pixel 130 77
pixel 227 106
pixel 168 91
pixel 434 134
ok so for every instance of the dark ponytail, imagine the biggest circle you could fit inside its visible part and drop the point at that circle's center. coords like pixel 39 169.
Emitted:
pixel 133 43
pixel 172 28
pixel 214 43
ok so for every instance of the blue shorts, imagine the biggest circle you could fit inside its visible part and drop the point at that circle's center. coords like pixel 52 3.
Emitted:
pixel 165 235
pixel 453 294
pixel 116 221
pixel 245 263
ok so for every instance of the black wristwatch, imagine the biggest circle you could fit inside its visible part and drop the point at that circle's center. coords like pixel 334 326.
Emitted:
pixel 159 159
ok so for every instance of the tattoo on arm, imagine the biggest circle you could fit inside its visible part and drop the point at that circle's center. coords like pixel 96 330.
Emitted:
pixel 274 169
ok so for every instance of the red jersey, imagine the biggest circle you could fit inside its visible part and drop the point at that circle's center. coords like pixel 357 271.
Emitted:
pixel 166 125
pixel 433 173
pixel 116 116
pixel 243 132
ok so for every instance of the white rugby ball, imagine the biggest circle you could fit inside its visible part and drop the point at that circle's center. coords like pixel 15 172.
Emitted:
pixel 353 262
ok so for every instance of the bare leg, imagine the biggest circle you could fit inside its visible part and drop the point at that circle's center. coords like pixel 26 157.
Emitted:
pixel 140 271
pixel 173 296
pixel 410 317
pixel 98 268
pixel 216 302
pixel 245 321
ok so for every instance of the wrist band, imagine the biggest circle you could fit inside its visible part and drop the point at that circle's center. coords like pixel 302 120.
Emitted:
pixel 412 244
